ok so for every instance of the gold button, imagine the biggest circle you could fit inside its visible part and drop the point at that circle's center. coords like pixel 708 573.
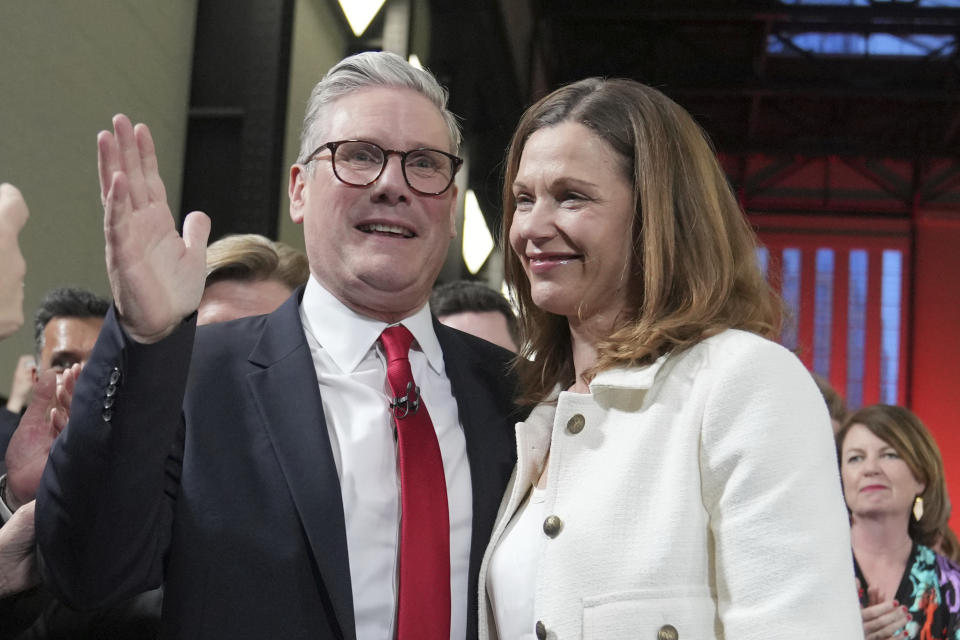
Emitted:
pixel 668 632
pixel 541 631
pixel 552 526
pixel 575 423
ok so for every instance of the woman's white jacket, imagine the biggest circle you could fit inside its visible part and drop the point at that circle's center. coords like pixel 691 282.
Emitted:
pixel 701 499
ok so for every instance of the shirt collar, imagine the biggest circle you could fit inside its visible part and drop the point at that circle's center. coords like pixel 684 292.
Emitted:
pixel 348 336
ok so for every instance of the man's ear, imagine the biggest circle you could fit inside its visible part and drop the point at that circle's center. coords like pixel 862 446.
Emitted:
pixel 295 189
pixel 453 211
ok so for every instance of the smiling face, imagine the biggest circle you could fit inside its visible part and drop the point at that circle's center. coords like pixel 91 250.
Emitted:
pixel 573 225
pixel 378 248
pixel 13 215
pixel 876 480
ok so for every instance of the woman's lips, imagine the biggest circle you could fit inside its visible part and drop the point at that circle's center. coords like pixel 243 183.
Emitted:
pixel 873 487
pixel 544 263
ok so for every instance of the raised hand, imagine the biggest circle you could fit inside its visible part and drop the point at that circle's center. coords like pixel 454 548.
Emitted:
pixel 44 419
pixel 13 215
pixel 155 275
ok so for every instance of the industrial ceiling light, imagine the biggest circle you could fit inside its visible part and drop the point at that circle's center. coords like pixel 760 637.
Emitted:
pixel 360 13
pixel 477 241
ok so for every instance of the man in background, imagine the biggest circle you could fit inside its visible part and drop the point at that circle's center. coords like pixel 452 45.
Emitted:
pixel 249 275
pixel 66 325
pixel 476 309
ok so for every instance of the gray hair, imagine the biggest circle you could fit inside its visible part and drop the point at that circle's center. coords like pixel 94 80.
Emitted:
pixel 372 69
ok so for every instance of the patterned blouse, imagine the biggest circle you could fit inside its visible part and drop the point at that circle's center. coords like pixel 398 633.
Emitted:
pixel 930 589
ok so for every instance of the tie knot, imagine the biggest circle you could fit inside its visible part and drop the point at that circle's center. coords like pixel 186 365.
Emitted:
pixel 396 342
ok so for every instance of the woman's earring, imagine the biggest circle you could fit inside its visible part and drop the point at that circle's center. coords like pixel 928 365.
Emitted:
pixel 917 508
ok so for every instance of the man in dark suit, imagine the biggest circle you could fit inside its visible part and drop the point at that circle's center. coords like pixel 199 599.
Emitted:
pixel 252 466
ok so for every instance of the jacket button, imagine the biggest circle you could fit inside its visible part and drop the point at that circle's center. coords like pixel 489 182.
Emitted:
pixel 115 376
pixel 541 631
pixel 575 423
pixel 668 632
pixel 111 390
pixel 552 526
pixel 107 415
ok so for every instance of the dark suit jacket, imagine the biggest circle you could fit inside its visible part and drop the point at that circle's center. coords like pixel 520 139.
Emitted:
pixel 207 464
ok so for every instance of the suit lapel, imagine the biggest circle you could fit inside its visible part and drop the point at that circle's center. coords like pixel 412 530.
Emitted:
pixel 287 394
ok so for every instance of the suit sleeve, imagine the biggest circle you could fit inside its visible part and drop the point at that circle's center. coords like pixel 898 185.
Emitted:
pixel 772 488
pixel 104 505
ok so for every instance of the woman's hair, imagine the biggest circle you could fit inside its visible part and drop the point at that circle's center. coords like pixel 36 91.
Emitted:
pixel 901 429
pixel 693 268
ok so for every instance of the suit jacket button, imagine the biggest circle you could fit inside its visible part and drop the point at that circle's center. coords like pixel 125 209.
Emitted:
pixel 107 403
pixel 668 632
pixel 575 423
pixel 107 415
pixel 552 526
pixel 111 390
pixel 115 376
pixel 541 630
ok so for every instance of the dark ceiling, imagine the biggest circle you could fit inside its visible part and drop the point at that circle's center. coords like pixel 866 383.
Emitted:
pixel 744 68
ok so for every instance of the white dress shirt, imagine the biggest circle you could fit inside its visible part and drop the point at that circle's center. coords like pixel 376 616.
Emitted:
pixel 512 580
pixel 351 370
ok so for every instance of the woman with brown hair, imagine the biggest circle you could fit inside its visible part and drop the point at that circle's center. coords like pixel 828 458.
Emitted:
pixel 894 487
pixel 676 478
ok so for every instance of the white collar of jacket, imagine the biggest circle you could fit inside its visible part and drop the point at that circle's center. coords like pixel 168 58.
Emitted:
pixel 534 433
pixel 635 378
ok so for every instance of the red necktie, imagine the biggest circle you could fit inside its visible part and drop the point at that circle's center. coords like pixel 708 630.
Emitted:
pixel 423 607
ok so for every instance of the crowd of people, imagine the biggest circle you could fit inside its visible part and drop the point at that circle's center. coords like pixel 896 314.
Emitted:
pixel 250 442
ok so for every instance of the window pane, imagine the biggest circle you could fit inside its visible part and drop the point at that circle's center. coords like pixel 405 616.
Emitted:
pixel 890 325
pixel 823 312
pixel 856 327
pixel 791 296
pixel 763 259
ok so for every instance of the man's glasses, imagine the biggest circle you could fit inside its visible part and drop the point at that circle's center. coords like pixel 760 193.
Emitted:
pixel 429 172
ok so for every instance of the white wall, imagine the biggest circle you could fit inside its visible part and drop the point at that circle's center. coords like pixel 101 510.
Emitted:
pixel 66 68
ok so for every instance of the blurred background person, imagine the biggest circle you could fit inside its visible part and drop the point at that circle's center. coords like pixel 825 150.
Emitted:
pixel 894 487
pixel 249 275
pixel 475 308
pixel 66 325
